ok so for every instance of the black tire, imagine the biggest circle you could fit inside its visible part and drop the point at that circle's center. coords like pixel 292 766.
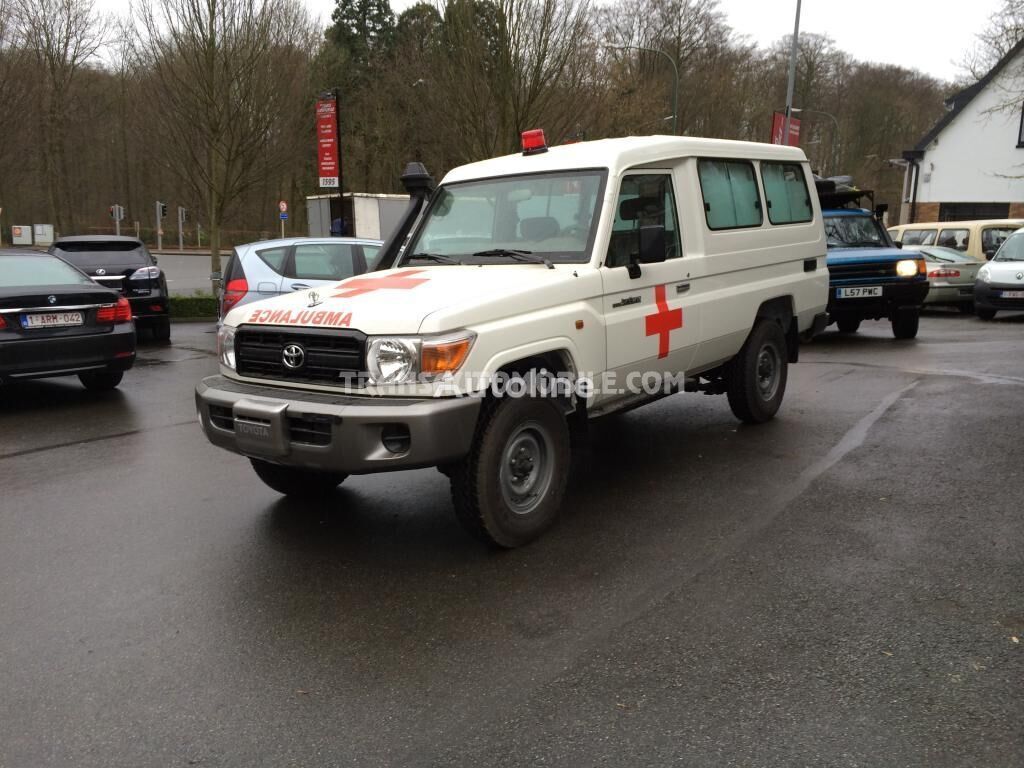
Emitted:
pixel 521 444
pixel 905 323
pixel 985 314
pixel 848 324
pixel 756 377
pixel 297 483
pixel 101 381
pixel 162 329
pixel 966 307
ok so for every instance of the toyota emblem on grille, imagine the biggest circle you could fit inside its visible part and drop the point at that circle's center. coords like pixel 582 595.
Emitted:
pixel 52 299
pixel 293 356
pixel 101 271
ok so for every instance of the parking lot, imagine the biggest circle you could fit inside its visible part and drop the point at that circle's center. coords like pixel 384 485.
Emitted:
pixel 841 586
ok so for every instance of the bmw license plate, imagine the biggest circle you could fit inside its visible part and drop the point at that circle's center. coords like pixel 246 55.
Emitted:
pixel 1012 295
pixel 51 320
pixel 859 292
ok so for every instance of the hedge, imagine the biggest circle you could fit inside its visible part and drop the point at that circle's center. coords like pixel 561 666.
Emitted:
pixel 193 307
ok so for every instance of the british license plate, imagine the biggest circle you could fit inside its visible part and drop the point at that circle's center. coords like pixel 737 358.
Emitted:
pixel 1013 295
pixel 52 320
pixel 859 292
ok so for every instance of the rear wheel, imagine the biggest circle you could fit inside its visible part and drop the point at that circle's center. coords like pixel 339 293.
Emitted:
pixel 756 377
pixel 162 329
pixel 905 322
pixel 848 324
pixel 101 381
pixel 966 308
pixel 985 314
pixel 297 483
pixel 508 490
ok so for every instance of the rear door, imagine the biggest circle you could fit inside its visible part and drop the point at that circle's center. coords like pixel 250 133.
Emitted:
pixel 264 270
pixel 312 265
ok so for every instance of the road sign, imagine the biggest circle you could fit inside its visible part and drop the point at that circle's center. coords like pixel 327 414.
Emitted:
pixel 284 216
pixel 779 129
pixel 327 144
pixel 282 207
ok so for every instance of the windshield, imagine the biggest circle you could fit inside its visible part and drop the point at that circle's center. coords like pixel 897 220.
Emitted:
pixel 549 215
pixel 99 253
pixel 854 232
pixel 1012 249
pixel 30 271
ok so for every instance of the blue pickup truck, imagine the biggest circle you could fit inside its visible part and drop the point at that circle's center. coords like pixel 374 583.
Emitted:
pixel 870 278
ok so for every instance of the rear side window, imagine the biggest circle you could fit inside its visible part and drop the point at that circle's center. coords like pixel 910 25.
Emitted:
pixel 919 237
pixel 731 198
pixel 274 258
pixel 785 190
pixel 993 237
pixel 327 261
pixel 954 238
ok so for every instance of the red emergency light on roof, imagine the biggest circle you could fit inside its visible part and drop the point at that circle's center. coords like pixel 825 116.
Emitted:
pixel 533 142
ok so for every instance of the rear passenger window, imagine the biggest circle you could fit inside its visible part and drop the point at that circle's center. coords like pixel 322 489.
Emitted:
pixel 954 238
pixel 785 190
pixel 731 199
pixel 918 237
pixel 274 258
pixel 327 261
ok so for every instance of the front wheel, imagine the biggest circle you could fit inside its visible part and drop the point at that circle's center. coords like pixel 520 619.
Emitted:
pixel 508 490
pixel 297 483
pixel 756 377
pixel 905 322
pixel 985 314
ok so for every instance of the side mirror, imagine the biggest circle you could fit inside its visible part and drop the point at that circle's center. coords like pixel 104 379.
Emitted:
pixel 898 244
pixel 154 259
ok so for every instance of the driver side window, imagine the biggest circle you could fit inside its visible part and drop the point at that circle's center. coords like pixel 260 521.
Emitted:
pixel 646 203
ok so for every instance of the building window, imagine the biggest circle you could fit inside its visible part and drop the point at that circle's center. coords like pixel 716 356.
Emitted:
pixel 973 211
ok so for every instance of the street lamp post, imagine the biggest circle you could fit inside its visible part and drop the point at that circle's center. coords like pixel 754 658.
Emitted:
pixel 835 134
pixel 675 75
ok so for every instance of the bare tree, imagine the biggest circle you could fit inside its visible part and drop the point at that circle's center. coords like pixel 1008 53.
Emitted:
pixel 59 37
pixel 230 85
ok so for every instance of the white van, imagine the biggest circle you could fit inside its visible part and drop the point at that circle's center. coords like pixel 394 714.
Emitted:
pixel 631 268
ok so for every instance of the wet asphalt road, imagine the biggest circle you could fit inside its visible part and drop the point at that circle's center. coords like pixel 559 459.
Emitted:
pixel 839 587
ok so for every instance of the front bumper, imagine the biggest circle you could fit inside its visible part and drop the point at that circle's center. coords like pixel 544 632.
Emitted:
pixel 991 296
pixel 340 433
pixel 904 294
pixel 64 355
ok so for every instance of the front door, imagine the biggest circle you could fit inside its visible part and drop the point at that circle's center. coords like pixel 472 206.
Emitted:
pixel 653 326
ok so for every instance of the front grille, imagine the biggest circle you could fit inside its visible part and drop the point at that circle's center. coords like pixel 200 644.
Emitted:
pixel 310 430
pixel 329 356
pixel 867 271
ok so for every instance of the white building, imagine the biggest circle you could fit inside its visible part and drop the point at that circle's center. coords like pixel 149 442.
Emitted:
pixel 970 165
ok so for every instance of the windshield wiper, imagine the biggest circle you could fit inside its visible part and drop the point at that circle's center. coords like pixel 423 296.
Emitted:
pixel 440 258
pixel 527 257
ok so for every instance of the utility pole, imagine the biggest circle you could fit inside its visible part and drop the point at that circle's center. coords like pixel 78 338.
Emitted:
pixel 790 85
pixel 182 214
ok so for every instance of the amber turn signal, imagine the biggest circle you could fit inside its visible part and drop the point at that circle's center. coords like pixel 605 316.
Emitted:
pixel 444 356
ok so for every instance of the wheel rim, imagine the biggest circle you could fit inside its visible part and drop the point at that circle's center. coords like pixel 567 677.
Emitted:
pixel 768 368
pixel 526 468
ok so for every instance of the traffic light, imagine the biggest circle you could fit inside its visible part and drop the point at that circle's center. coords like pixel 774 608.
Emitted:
pixel 163 210
pixel 113 213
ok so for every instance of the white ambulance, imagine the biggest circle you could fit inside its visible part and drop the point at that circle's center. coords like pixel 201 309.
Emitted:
pixel 522 297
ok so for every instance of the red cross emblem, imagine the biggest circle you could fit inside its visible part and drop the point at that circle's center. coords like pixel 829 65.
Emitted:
pixel 401 281
pixel 664 321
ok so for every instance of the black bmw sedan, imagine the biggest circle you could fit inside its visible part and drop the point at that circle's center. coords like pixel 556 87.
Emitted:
pixel 127 266
pixel 55 321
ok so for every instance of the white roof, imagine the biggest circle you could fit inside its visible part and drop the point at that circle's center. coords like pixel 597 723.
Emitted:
pixel 618 155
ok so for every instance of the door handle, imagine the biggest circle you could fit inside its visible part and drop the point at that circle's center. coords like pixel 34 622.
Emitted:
pixel 682 287
pixel 299 286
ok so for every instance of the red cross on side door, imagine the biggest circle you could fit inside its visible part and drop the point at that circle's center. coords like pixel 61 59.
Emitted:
pixel 652 320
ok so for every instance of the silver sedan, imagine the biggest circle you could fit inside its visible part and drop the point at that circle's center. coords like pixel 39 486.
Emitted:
pixel 951 275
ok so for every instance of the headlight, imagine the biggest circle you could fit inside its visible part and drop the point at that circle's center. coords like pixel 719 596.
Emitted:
pixel 226 346
pixel 983 275
pixel 403 359
pixel 906 268
pixel 393 360
pixel 145 273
